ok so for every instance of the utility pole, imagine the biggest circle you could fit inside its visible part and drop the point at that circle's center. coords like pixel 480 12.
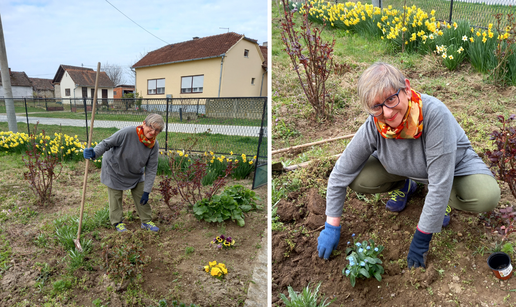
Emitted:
pixel 6 83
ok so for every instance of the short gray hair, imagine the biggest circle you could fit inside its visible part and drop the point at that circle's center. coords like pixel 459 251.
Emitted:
pixel 155 120
pixel 375 80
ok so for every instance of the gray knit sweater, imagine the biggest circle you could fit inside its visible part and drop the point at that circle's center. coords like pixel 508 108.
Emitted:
pixel 127 161
pixel 442 152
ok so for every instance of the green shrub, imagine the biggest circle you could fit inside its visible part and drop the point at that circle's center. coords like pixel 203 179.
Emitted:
pixel 230 204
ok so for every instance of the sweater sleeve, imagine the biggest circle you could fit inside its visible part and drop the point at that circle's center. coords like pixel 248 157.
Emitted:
pixel 151 168
pixel 348 166
pixel 440 149
pixel 114 140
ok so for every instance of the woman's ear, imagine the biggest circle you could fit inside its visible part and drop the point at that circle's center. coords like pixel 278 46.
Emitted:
pixel 408 89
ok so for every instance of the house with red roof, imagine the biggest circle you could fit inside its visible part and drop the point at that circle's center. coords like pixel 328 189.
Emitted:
pixel 20 85
pixel 224 65
pixel 79 82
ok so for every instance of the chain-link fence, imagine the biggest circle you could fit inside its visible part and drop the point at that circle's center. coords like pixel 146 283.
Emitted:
pixel 261 171
pixel 220 125
pixel 479 13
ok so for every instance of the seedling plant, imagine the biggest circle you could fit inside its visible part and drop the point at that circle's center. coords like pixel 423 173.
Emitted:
pixel 363 261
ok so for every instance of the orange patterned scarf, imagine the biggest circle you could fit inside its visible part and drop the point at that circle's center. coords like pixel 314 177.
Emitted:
pixel 412 125
pixel 147 142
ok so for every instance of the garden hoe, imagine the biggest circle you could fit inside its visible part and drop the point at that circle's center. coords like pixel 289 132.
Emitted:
pixel 77 241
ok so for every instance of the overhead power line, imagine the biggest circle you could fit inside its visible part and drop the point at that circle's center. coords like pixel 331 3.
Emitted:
pixel 136 23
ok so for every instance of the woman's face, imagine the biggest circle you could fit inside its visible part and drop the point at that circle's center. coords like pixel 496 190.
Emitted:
pixel 149 131
pixel 394 116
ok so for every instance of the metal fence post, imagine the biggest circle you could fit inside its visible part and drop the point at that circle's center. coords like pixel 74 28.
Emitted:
pixel 27 114
pixel 86 113
pixel 451 11
pixel 180 114
pixel 166 127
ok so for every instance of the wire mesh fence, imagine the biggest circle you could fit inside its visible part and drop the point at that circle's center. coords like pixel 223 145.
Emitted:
pixel 479 13
pixel 261 171
pixel 220 125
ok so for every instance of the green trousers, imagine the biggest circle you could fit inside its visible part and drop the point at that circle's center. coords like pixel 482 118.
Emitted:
pixel 116 212
pixel 472 193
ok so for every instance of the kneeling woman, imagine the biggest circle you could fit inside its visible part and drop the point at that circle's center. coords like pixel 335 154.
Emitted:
pixel 409 137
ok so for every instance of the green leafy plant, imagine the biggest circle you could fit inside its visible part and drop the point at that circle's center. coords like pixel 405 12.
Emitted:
pixel 230 204
pixel 363 261
pixel 189 250
pixel 307 298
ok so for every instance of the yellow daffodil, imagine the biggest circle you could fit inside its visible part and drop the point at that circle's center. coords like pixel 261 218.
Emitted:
pixel 207 268
pixel 212 263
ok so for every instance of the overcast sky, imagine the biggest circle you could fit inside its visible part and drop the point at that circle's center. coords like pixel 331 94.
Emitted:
pixel 42 34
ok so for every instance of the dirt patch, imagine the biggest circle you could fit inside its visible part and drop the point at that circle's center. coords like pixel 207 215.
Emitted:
pixel 456 275
pixel 176 255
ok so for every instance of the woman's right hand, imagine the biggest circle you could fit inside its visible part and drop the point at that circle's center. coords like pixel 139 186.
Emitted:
pixel 328 240
pixel 89 153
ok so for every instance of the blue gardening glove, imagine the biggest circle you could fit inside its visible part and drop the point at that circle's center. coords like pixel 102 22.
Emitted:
pixel 328 240
pixel 418 249
pixel 89 153
pixel 145 198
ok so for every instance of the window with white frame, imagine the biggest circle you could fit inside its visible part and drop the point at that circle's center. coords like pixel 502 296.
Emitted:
pixel 192 84
pixel 246 53
pixel 156 86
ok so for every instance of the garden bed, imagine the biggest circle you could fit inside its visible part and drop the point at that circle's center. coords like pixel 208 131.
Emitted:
pixel 35 269
pixel 457 273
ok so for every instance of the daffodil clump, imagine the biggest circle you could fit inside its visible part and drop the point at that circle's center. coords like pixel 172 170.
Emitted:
pixel 350 16
pixel 223 242
pixel 363 261
pixel 482 44
pixel 216 270
pixel 61 145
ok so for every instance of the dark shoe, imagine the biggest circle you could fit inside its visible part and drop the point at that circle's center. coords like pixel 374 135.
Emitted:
pixel 120 227
pixel 400 197
pixel 150 226
pixel 446 220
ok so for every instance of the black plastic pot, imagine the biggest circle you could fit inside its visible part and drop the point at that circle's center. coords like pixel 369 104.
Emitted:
pixel 500 264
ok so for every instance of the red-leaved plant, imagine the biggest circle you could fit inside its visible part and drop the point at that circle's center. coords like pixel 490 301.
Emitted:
pixel 317 60
pixel 42 168
pixel 186 181
pixel 502 161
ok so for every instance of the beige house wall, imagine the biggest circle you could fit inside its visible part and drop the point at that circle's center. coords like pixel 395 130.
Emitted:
pixel 237 74
pixel 239 71
pixel 172 74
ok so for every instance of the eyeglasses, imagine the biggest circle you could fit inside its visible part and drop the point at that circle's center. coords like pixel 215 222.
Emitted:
pixel 390 102
pixel 152 129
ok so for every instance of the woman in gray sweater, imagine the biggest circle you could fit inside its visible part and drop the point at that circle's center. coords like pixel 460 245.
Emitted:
pixel 130 162
pixel 408 138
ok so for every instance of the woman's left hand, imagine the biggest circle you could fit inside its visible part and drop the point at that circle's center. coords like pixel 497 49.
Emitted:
pixel 145 198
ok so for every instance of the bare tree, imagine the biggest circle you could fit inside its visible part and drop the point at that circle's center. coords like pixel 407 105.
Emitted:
pixel 115 73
